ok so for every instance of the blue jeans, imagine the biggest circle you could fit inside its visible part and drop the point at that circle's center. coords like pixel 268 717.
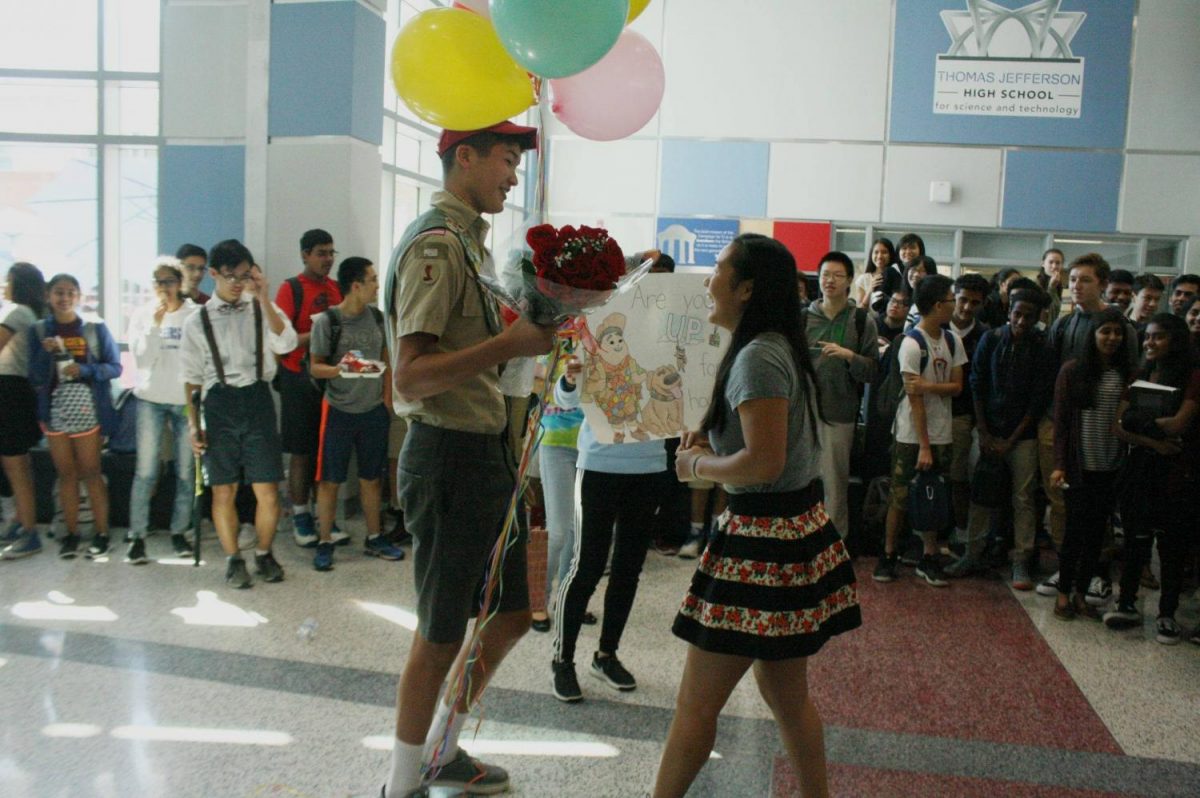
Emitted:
pixel 558 488
pixel 151 418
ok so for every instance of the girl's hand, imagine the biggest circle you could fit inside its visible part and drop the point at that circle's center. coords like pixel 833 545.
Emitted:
pixel 71 370
pixel 691 439
pixel 877 282
pixel 50 344
pixel 1058 478
pixel 684 459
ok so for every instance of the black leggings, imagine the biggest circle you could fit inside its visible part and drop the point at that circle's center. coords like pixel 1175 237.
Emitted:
pixel 601 499
pixel 1089 506
pixel 1162 509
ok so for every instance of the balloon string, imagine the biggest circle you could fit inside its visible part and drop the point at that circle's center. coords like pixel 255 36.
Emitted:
pixel 460 685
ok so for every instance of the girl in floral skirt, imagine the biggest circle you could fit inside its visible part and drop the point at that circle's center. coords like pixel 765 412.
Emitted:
pixel 776 581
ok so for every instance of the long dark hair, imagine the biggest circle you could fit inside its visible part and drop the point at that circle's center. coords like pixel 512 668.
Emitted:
pixel 1091 366
pixel 892 256
pixel 28 287
pixel 773 307
pixel 1175 367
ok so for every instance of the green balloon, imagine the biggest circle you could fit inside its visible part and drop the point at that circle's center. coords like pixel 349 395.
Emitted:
pixel 557 38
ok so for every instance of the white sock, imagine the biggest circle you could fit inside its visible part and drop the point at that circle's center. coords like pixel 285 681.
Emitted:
pixel 697 529
pixel 438 732
pixel 8 507
pixel 406 769
pixel 262 552
pixel 300 509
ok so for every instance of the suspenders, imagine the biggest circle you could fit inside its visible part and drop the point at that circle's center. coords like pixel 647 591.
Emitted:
pixel 216 355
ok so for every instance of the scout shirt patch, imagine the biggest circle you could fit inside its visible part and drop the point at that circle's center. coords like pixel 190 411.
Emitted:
pixel 432 258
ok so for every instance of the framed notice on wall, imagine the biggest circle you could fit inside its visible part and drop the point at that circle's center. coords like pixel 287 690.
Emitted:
pixel 1040 72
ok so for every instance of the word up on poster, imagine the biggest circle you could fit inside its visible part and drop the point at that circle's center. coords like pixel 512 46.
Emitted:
pixel 650 359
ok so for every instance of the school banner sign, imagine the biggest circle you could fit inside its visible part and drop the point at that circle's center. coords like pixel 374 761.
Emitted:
pixel 1010 61
pixel 650 360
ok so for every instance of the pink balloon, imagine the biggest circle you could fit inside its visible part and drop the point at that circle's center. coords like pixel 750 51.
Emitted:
pixel 615 97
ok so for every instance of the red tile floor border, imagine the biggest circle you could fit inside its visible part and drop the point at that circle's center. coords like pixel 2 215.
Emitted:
pixel 964 662
pixel 848 781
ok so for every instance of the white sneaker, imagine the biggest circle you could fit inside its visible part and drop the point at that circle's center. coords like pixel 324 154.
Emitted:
pixel 1048 587
pixel 1099 592
pixel 247 536
pixel 690 550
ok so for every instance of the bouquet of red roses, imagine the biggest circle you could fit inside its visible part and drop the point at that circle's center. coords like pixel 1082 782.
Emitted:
pixel 564 272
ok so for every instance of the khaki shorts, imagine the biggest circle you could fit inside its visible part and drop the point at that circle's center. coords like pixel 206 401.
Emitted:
pixel 961 428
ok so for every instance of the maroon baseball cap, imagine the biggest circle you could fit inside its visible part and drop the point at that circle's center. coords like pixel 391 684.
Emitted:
pixel 528 135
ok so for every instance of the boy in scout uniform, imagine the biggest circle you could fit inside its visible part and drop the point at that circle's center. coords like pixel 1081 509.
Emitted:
pixel 456 470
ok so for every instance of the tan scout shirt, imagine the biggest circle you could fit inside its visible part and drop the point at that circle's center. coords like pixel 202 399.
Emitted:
pixel 436 294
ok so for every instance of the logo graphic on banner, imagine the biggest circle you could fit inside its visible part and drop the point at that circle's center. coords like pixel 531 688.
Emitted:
pixel 1010 61
pixel 695 242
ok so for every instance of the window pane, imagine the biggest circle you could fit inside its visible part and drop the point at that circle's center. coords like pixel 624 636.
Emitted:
pixel 408 149
pixel 131 35
pixel 1119 254
pixel 43 105
pixel 1161 255
pixel 49 34
pixel 48 211
pixel 407 207
pixel 1002 246
pixel 133 229
pixel 131 108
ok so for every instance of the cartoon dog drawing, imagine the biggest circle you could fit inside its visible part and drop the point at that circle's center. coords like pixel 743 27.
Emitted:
pixel 663 413
pixel 614 380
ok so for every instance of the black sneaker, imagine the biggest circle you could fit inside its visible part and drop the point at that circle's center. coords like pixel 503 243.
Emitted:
pixel 1167 631
pixel 98 547
pixel 69 547
pixel 566 686
pixel 179 542
pixel 268 568
pixel 610 670
pixel 136 554
pixel 913 552
pixel 236 575
pixel 885 571
pixel 930 570
pixel 1125 616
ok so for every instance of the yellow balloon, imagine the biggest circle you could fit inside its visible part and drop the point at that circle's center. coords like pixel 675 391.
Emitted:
pixel 449 67
pixel 636 7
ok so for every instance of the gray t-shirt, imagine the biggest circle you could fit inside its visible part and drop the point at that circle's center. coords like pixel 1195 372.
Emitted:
pixel 764 369
pixel 361 332
pixel 14 358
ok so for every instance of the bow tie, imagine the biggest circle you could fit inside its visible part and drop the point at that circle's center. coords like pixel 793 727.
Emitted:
pixel 232 308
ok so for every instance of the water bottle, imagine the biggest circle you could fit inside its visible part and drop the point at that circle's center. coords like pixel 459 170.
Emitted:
pixel 307 630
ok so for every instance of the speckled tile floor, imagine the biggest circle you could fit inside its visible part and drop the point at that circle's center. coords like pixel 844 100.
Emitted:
pixel 157 681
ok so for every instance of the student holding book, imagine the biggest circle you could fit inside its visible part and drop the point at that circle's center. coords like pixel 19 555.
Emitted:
pixel 1156 416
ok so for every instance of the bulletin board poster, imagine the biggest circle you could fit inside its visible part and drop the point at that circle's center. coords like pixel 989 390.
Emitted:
pixel 650 359
pixel 1046 72
pixel 695 242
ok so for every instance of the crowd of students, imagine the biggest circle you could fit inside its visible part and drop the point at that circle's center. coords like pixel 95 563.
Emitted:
pixel 221 355
pixel 1096 406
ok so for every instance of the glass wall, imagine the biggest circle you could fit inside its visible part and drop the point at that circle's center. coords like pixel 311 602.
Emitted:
pixel 79 143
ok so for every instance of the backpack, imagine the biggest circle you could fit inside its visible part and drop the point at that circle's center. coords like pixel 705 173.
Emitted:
pixel 335 335
pixel 890 389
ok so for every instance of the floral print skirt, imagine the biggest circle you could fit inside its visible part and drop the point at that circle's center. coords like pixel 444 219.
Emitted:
pixel 775 582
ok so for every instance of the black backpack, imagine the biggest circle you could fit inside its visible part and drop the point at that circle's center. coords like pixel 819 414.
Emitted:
pixel 335 335
pixel 889 389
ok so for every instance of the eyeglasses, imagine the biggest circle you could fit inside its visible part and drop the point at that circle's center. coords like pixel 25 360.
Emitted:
pixel 901 301
pixel 233 278
pixel 167 282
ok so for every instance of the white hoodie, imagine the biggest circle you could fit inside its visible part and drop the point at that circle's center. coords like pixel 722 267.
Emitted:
pixel 156 352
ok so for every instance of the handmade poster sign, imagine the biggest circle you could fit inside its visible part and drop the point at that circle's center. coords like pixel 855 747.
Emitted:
pixel 650 359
